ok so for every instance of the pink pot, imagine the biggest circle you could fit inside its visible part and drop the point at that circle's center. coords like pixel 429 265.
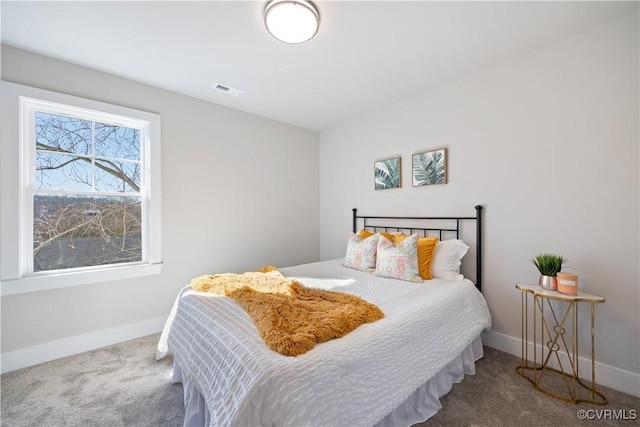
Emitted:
pixel 567 283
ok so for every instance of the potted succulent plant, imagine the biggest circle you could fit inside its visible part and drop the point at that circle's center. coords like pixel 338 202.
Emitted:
pixel 548 265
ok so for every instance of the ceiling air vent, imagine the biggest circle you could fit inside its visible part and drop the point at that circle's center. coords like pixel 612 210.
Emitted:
pixel 226 89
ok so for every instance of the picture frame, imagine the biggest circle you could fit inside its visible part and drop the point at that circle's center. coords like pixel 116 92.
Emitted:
pixel 388 173
pixel 429 167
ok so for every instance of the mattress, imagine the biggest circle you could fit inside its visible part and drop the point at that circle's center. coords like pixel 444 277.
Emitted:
pixel 357 380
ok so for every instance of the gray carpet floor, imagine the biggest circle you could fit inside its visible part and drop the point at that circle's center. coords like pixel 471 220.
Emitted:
pixel 123 385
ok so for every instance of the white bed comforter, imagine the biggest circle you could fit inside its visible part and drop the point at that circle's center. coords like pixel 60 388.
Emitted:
pixel 352 381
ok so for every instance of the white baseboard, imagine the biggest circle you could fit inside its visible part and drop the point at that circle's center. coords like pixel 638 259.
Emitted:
pixel 53 350
pixel 608 376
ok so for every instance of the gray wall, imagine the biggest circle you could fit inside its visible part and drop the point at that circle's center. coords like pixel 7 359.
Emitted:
pixel 548 142
pixel 229 189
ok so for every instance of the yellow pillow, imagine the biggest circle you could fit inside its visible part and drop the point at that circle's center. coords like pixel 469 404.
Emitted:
pixel 426 246
pixel 398 238
pixel 366 233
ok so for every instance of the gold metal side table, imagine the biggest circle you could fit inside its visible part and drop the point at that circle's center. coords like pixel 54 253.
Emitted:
pixel 555 341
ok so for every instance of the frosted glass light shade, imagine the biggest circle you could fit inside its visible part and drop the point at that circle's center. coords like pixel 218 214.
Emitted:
pixel 291 21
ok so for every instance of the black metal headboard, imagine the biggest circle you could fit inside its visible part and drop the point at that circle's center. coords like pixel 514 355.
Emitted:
pixel 380 223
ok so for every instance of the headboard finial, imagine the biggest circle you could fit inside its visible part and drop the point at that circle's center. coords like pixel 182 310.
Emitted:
pixel 355 219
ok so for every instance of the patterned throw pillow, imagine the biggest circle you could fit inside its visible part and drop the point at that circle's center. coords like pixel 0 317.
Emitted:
pixel 426 247
pixel 361 253
pixel 398 262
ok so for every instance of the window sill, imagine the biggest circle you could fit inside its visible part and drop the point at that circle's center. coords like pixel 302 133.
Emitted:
pixel 64 280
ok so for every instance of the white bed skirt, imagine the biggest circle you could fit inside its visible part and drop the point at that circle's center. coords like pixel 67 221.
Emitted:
pixel 420 406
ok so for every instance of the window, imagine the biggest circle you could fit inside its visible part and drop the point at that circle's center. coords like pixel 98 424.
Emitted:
pixel 87 201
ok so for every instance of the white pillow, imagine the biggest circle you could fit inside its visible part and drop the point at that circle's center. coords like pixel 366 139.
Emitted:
pixel 398 262
pixel 446 259
pixel 361 253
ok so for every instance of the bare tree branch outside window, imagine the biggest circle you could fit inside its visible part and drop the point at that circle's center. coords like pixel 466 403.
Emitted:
pixel 87 203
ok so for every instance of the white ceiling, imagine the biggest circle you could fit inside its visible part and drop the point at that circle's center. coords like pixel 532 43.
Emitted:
pixel 365 55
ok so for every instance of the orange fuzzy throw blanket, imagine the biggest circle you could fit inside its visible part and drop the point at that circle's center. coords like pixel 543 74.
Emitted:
pixel 290 317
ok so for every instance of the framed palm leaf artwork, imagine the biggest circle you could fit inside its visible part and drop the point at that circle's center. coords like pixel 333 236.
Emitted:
pixel 430 167
pixel 388 173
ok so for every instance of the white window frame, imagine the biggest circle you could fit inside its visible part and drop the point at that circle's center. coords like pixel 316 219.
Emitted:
pixel 17 169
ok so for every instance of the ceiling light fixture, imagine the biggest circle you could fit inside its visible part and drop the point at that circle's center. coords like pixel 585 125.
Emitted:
pixel 291 21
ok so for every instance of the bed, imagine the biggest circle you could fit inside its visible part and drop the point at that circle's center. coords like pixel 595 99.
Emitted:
pixel 389 372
